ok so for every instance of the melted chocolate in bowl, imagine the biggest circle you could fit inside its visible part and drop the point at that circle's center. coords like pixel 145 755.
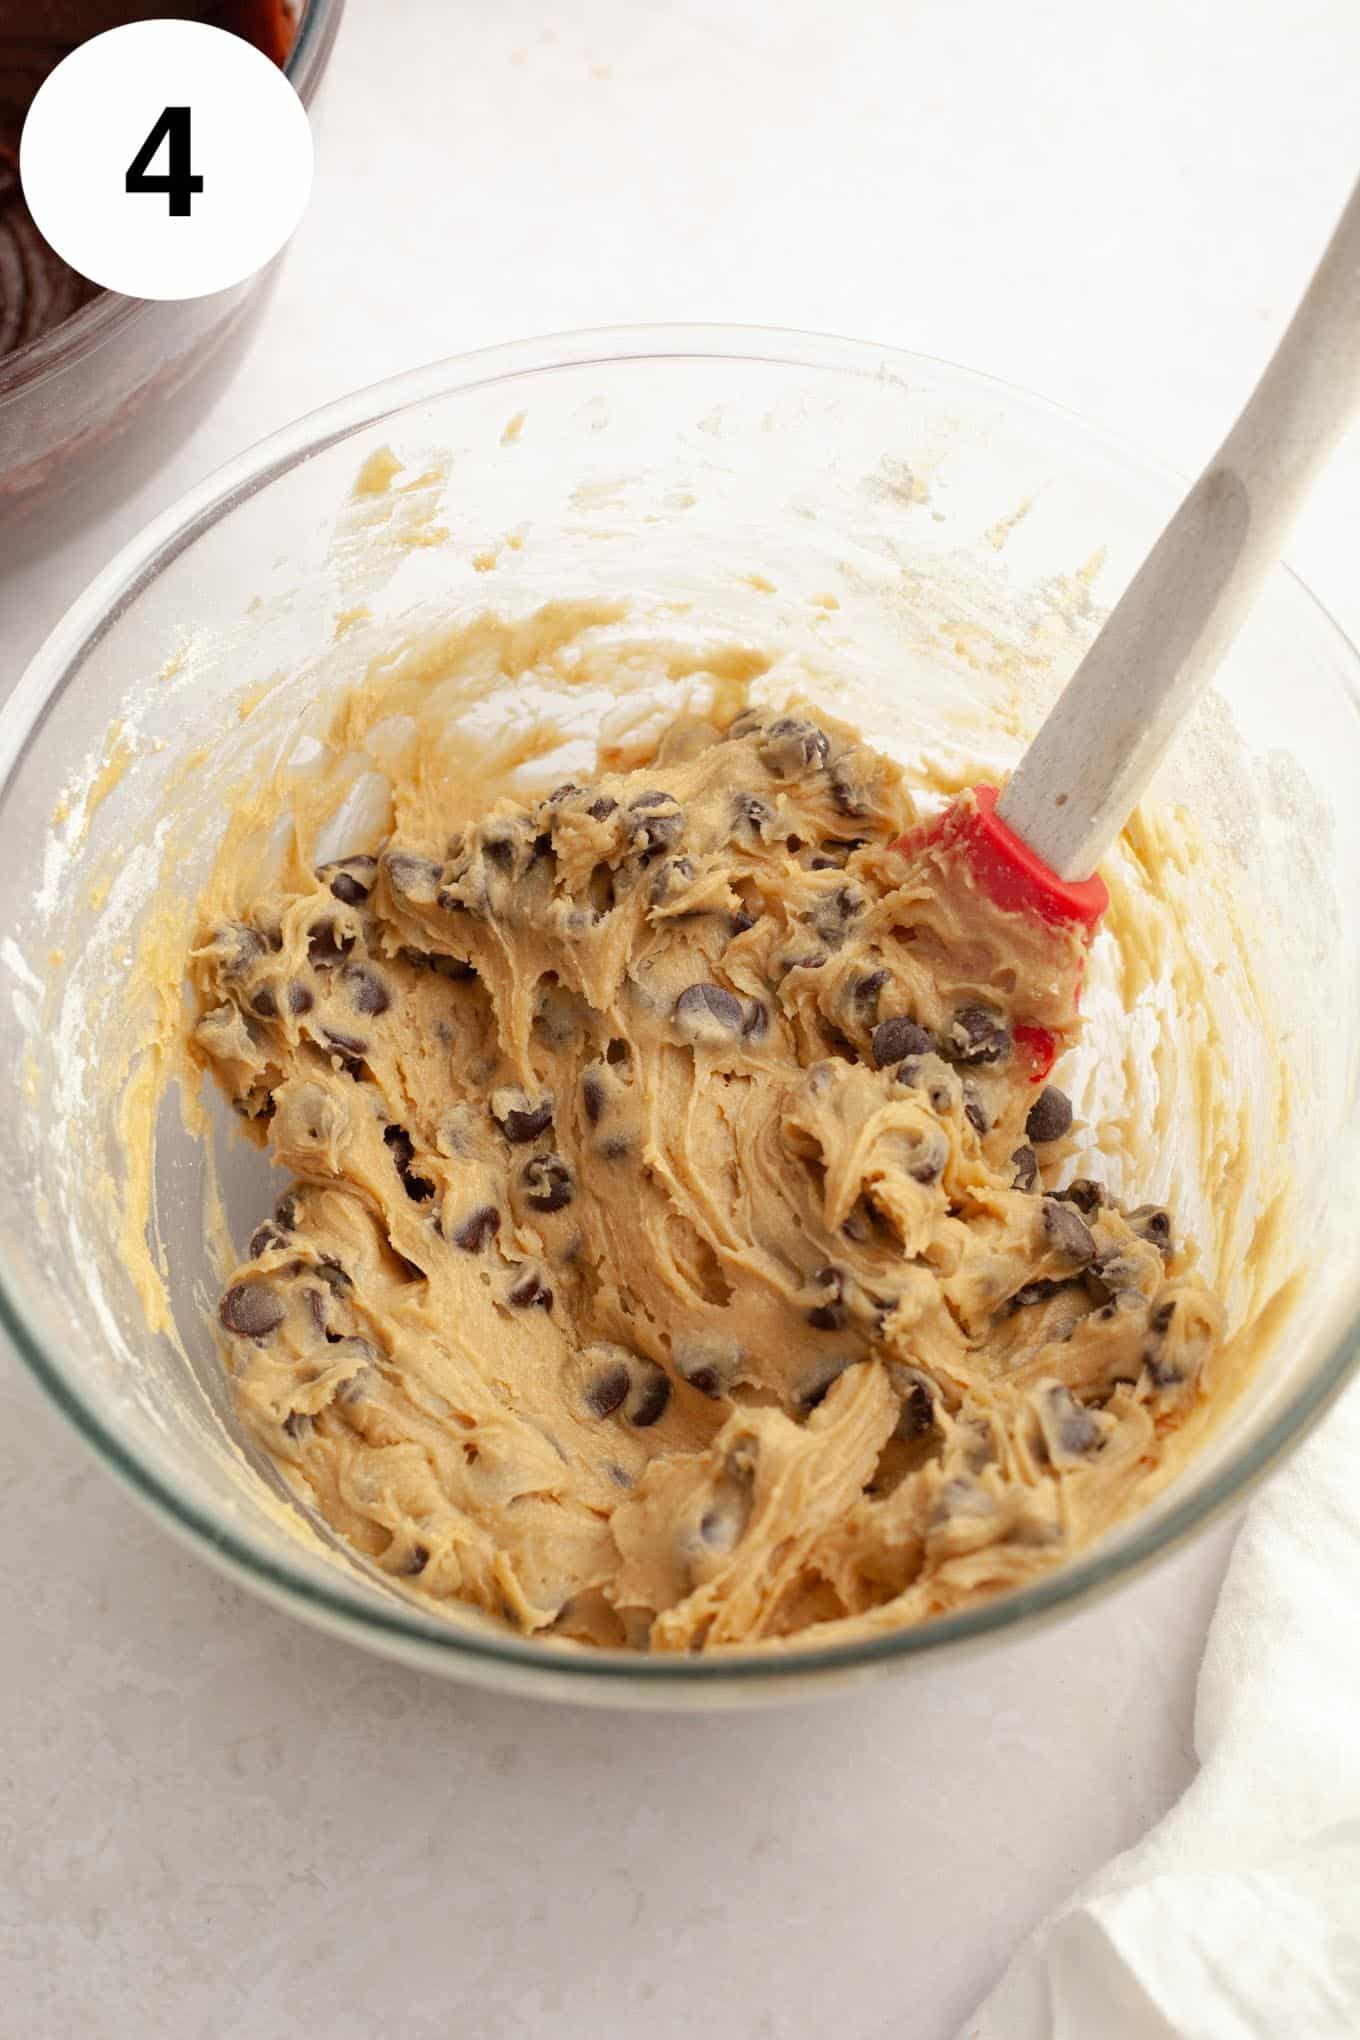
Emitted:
pixel 38 291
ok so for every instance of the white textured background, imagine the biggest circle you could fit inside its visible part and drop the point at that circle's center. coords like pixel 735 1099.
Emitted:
pixel 216 1825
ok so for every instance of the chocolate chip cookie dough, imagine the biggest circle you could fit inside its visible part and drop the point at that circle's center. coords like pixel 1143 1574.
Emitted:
pixel 682 1248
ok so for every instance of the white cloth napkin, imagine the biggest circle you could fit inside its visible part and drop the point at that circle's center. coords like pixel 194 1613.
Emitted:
pixel 1238 1917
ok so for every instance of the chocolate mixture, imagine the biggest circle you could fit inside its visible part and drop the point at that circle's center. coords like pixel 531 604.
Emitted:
pixel 38 291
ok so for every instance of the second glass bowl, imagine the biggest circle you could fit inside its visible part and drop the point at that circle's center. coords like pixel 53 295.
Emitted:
pixel 90 407
pixel 941 543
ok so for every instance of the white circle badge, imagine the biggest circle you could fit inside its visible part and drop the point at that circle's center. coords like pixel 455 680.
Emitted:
pixel 166 159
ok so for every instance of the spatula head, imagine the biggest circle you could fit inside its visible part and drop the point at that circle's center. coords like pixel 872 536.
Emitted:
pixel 990 862
pixel 1008 870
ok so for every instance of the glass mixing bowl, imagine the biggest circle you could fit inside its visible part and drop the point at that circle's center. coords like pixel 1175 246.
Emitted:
pixel 939 548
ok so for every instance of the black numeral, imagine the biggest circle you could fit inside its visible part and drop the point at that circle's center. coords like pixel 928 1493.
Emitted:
pixel 178 182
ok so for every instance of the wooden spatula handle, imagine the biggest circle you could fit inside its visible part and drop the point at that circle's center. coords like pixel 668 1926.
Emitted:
pixel 1101 743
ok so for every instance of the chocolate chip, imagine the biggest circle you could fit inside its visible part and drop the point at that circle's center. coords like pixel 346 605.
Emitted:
pixel 673 877
pixel 608 1389
pixel 600 810
pixel 848 796
pixel 562 792
pixel 348 890
pixel 348 1047
pixel 286 1211
pixel 1151 1222
pixel 1113 1275
pixel 658 825
pixel 450 901
pixel 1026 1166
pixel 351 879
pixel 740 922
pixel 297 1424
pixel 547 1183
pixel 593 1096
pixel 651 1401
pixel 821 1076
pixel 706 1366
pixel 976 1036
pixel 791 746
pixel 1085 1193
pixel 530 1291
pixel 841 906
pixel 928 1158
pixel 898 1037
pixel 828 1316
pixel 360 1383
pixel 477 1228
pixel 917 1401
pixel 752 815
pixel 300 999
pixel 264 1003
pixel 519 1117
pixel 974 1111
pixel 366 990
pixel 1068 1233
pixel 1162 1373
pixel 723 1522
pixel 709 1013
pixel 1034 1292
pixel 615 1147
pixel 1067 1425
pixel 415 1561
pixel 325 946
pixel 417 1187
pixel 499 842
pixel 1050 1116
pixel 756 1020
pixel 866 990
pixel 1159 1320
pixel 252 1309
pixel 238 947
pixel 835 913
pixel 414 879
pixel 332 1274
pixel 316 1308
pixel 264 1238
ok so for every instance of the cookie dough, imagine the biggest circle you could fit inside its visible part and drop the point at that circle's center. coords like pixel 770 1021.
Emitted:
pixel 682 1250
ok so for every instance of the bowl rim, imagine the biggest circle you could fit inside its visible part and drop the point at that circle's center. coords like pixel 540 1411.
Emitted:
pixel 403 1630
pixel 32 367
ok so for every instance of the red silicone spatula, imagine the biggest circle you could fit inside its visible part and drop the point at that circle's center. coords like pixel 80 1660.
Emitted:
pixel 1035 847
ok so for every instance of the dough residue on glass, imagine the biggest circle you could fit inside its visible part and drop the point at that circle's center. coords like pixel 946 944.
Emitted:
pixel 682 1248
